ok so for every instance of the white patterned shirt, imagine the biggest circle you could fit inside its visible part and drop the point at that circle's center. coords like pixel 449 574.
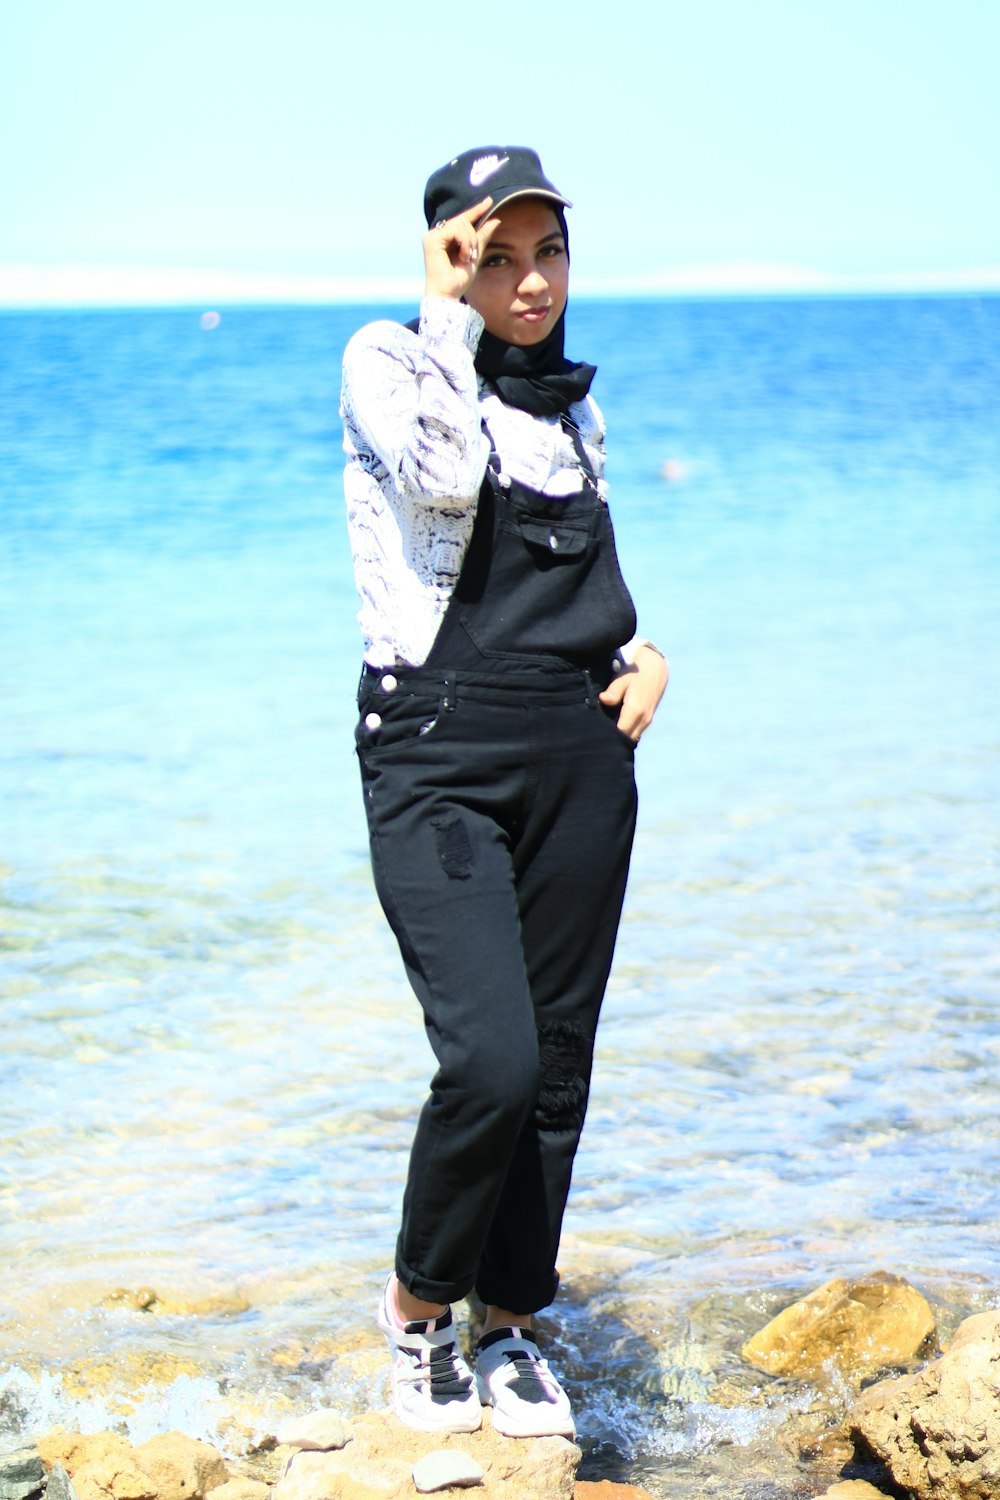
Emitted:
pixel 413 408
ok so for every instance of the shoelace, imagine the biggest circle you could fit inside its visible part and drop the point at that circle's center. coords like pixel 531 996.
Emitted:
pixel 529 1382
pixel 441 1371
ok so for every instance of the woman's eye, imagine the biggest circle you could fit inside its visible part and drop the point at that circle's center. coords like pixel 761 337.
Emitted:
pixel 551 251
pixel 495 260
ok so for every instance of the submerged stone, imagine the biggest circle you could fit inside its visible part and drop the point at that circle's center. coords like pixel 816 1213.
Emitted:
pixel 146 1299
pixel 858 1327
pixel 128 1373
pixel 135 1299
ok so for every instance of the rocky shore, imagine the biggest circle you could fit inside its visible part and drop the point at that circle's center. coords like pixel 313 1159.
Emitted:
pixel 886 1413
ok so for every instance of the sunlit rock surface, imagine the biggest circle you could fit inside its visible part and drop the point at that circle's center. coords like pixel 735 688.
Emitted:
pixel 853 1489
pixel 181 1467
pixel 102 1466
pixel 105 1466
pixel 938 1431
pixel 379 1462
pixel 606 1489
pixel 661 1391
pixel 446 1468
pixel 317 1431
pixel 856 1327
pixel 241 1487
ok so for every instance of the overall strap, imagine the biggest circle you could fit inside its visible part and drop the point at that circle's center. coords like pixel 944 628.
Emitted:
pixel 586 467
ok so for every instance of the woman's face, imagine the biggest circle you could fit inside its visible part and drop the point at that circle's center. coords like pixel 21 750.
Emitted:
pixel 520 287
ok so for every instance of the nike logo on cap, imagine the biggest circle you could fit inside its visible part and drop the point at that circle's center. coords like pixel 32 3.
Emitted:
pixel 484 167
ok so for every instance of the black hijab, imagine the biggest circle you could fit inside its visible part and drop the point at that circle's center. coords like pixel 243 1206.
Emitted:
pixel 535 377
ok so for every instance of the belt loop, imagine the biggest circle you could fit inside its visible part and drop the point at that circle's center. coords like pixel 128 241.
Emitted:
pixel 449 694
pixel 591 691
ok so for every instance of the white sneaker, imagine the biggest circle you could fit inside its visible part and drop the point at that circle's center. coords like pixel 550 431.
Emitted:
pixel 432 1386
pixel 514 1379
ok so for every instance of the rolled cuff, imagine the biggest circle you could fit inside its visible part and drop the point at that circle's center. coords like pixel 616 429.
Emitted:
pixel 496 1288
pixel 518 1294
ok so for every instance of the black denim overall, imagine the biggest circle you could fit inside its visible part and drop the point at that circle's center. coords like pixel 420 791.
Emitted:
pixel 501 807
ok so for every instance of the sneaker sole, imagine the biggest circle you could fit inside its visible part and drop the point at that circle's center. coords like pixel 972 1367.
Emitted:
pixel 509 1426
pixel 464 1422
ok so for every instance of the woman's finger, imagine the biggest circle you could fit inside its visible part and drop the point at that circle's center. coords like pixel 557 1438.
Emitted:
pixel 477 211
pixel 486 232
pixel 452 250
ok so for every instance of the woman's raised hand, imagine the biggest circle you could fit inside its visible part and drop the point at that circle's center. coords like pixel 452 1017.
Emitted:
pixel 452 251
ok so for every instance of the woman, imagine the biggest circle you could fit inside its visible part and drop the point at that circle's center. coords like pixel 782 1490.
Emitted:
pixel 499 712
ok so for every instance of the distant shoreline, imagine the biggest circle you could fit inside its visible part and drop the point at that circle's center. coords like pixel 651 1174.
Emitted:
pixel 384 305
pixel 41 288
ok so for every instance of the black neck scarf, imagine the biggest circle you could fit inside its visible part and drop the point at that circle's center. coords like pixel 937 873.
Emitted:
pixel 535 377
pixel 538 378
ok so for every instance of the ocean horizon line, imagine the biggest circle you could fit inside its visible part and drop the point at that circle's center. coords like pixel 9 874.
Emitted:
pixel 72 286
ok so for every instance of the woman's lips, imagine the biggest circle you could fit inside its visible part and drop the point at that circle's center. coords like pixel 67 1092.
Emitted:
pixel 535 314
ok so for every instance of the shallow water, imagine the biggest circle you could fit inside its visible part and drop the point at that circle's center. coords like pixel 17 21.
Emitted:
pixel 211 1062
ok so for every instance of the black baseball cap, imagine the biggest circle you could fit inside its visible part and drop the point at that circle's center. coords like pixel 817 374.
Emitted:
pixel 502 172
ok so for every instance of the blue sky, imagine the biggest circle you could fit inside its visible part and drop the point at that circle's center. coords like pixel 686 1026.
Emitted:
pixel 206 145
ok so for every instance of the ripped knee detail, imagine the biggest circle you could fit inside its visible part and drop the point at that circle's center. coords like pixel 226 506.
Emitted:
pixel 564 1067
pixel 454 846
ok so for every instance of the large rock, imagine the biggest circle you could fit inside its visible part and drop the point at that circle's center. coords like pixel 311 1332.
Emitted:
pixel 856 1327
pixel 377 1464
pixel 102 1466
pixel 22 1474
pixel 105 1466
pixel 938 1431
pixel 181 1467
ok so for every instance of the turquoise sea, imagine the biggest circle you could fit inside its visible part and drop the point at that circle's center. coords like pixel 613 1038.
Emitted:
pixel 210 1061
